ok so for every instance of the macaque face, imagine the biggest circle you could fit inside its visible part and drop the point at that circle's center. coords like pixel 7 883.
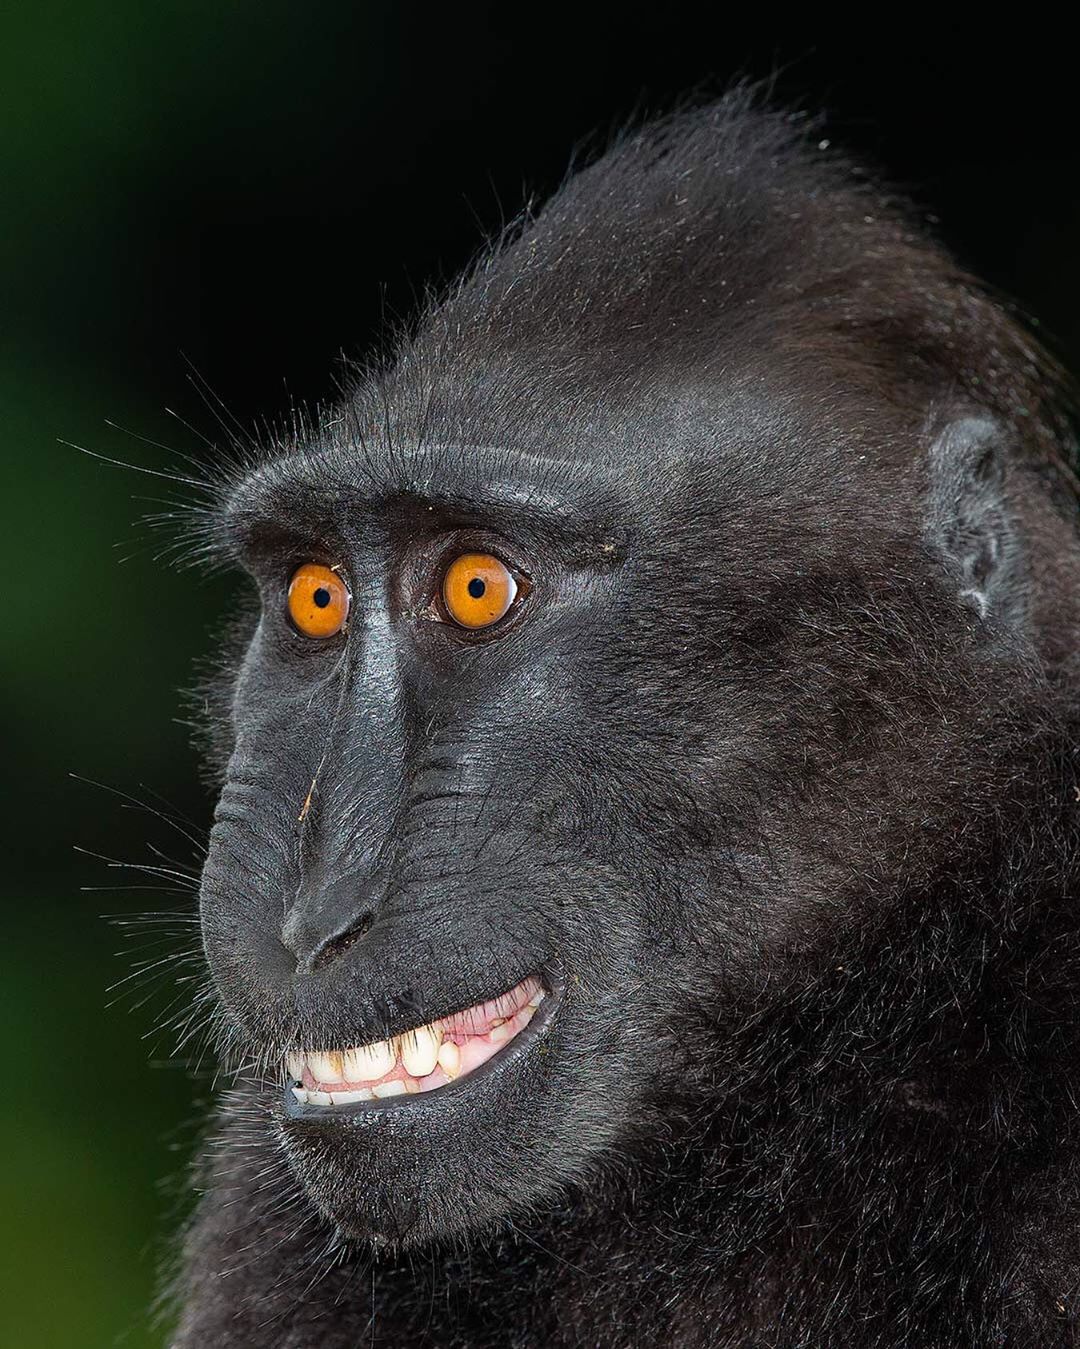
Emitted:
pixel 528 767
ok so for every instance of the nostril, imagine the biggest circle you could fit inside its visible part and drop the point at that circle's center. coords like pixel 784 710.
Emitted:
pixel 338 944
pixel 318 932
pixel 328 915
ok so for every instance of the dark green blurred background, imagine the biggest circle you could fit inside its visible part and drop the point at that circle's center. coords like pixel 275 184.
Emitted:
pixel 253 186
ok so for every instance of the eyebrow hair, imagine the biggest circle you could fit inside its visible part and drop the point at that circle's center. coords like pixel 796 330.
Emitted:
pixel 564 494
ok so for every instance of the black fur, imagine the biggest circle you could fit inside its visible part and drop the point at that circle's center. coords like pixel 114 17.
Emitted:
pixel 773 776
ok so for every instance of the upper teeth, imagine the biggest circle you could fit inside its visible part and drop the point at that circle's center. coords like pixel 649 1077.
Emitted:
pixel 420 1050
pixel 450 1059
pixel 326 1067
pixel 369 1061
pixel 429 1058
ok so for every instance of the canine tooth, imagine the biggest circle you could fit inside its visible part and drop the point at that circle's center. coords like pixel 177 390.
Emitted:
pixel 294 1064
pixel 537 998
pixel 450 1059
pixel 301 1095
pixel 394 1088
pixel 496 1021
pixel 347 1097
pixel 420 1050
pixel 499 1034
pixel 325 1067
pixel 319 1098
pixel 365 1063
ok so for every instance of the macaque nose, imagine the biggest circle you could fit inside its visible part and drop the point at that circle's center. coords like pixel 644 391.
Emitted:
pixel 325 920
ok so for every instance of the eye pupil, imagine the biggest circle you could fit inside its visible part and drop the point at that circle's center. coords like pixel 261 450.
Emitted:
pixel 321 597
pixel 476 587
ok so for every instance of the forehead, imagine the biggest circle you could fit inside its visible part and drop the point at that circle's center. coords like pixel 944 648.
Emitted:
pixel 692 449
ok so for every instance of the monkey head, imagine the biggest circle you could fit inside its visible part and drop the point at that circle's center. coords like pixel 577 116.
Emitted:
pixel 672 610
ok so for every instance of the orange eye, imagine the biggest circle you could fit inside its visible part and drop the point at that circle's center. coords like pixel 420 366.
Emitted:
pixel 318 600
pixel 478 590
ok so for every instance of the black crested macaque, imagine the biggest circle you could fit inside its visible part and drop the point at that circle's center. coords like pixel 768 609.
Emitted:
pixel 643 897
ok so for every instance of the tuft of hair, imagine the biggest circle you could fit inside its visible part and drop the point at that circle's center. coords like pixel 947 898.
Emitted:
pixel 692 245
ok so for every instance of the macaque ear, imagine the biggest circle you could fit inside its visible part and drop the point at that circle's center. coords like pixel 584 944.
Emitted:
pixel 971 524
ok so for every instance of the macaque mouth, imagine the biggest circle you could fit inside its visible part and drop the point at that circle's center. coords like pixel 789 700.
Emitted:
pixel 417 1061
